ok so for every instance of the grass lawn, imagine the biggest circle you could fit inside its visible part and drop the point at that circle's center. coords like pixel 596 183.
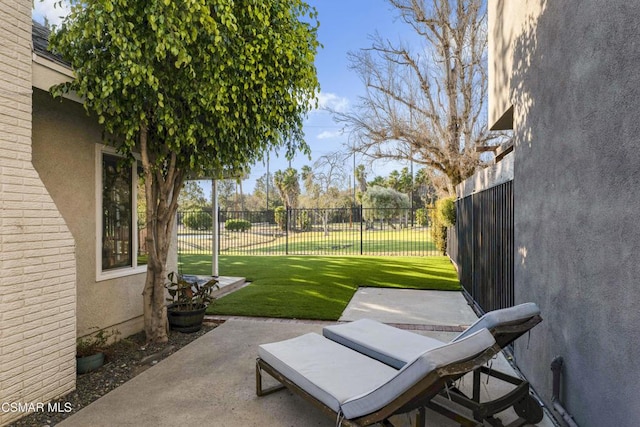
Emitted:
pixel 341 240
pixel 316 287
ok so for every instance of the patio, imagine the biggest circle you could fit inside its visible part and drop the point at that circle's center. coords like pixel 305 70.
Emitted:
pixel 212 380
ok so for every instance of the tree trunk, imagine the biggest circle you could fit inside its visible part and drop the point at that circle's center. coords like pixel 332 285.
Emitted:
pixel 161 188
pixel 155 311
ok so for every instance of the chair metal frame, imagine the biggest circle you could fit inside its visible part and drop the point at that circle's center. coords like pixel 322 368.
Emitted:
pixel 418 396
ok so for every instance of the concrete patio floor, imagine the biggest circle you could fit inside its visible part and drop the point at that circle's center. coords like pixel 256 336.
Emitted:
pixel 212 380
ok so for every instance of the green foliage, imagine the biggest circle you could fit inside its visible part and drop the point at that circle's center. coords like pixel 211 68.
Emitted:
pixel 198 220
pixel 446 209
pixel 438 231
pixel 304 221
pixel 189 295
pixel 192 196
pixel 213 81
pixel 280 216
pixel 422 217
pixel 383 203
pixel 94 344
pixel 442 216
pixel 237 225
pixel 401 181
pixel 263 184
pixel 377 181
pixel 288 186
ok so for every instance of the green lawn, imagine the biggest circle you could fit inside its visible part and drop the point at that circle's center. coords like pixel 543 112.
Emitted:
pixel 402 241
pixel 398 242
pixel 316 287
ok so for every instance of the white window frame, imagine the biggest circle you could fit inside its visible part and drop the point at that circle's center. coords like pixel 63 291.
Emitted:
pixel 101 275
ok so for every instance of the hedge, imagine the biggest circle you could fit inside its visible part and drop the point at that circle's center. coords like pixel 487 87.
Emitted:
pixel 237 225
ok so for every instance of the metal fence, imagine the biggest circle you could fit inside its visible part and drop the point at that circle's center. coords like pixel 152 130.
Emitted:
pixel 348 231
pixel 483 246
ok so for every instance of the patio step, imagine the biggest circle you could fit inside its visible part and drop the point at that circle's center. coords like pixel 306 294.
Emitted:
pixel 228 284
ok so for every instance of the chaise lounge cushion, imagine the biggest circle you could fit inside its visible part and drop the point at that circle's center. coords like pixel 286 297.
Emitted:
pixel 327 370
pixel 502 317
pixel 392 346
pixel 354 384
pixel 396 347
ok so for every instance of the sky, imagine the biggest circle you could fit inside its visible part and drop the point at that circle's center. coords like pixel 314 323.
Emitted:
pixel 345 26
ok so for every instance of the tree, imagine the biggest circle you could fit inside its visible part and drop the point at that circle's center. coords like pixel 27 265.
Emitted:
pixel 192 196
pixel 361 178
pixel 426 104
pixel 263 184
pixel 377 181
pixel 401 181
pixel 322 184
pixel 424 188
pixel 383 203
pixel 198 88
pixel 288 186
pixel 226 189
pixel 241 176
pixel 324 180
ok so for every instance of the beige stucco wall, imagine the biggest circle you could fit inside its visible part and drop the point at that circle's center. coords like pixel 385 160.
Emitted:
pixel 66 147
pixel 37 251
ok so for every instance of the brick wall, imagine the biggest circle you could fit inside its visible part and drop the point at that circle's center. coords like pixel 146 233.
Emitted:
pixel 37 251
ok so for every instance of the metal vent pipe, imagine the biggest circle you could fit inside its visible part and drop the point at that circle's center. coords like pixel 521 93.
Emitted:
pixel 556 368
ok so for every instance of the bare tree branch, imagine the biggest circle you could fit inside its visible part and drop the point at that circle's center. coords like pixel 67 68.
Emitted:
pixel 426 103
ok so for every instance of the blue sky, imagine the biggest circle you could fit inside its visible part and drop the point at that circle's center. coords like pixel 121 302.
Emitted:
pixel 345 26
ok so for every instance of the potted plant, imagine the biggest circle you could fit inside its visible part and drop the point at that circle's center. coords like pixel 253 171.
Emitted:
pixel 189 300
pixel 90 350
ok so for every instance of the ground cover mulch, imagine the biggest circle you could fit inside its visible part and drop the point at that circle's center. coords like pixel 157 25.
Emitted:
pixel 124 360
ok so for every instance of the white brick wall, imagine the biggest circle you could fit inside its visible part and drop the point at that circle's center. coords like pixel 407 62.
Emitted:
pixel 37 251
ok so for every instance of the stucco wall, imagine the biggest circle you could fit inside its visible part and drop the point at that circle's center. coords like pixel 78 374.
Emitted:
pixel 65 140
pixel 37 259
pixel 574 75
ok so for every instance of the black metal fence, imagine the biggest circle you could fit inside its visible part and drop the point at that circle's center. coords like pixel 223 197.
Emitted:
pixel 483 246
pixel 347 231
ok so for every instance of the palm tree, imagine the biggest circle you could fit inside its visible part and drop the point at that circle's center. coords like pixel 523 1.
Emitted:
pixel 288 186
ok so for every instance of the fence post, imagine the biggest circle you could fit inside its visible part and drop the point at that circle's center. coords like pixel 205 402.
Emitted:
pixel 218 213
pixel 286 231
pixel 361 221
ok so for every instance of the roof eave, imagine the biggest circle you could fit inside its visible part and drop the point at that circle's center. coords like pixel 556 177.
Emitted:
pixel 47 73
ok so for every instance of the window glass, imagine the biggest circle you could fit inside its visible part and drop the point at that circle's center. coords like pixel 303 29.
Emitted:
pixel 116 214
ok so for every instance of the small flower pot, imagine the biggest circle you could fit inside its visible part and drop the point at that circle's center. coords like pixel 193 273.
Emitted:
pixel 185 320
pixel 89 363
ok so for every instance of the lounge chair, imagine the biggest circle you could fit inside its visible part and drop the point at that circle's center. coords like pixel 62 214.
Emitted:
pixel 358 390
pixel 395 347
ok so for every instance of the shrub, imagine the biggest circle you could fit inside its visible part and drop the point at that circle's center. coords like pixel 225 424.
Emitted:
pixel 280 216
pixel 442 216
pixel 198 220
pixel 422 216
pixel 447 210
pixel 384 203
pixel 438 231
pixel 304 221
pixel 237 225
pixel 96 343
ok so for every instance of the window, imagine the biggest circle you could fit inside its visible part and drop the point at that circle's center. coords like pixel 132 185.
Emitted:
pixel 121 228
